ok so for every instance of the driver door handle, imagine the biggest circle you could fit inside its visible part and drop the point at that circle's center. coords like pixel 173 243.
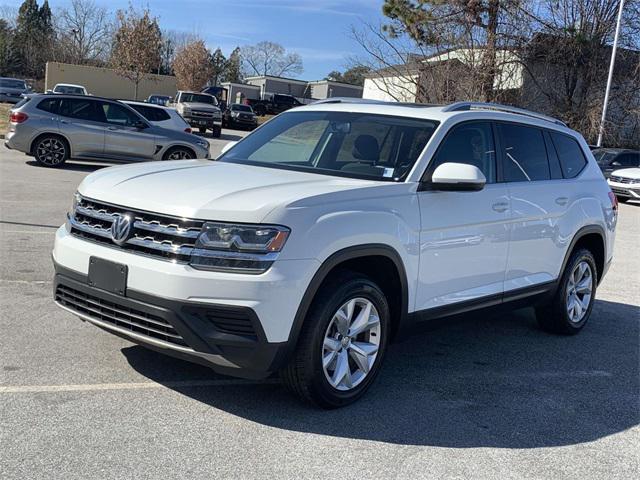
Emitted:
pixel 113 129
pixel 562 200
pixel 500 206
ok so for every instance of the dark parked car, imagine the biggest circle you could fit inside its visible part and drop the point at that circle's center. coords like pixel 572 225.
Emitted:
pixel 611 159
pixel 12 89
pixel 278 103
pixel 238 115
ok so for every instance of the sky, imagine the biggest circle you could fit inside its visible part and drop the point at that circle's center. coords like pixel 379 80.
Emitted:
pixel 316 29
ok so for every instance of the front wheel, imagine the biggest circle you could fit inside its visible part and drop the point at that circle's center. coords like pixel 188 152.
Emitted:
pixel 342 343
pixel 178 153
pixel 571 306
pixel 217 132
pixel 51 151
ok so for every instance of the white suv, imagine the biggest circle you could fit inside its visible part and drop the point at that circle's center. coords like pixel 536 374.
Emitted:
pixel 333 228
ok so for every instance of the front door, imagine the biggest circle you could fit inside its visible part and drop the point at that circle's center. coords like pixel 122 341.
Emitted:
pixel 464 235
pixel 123 140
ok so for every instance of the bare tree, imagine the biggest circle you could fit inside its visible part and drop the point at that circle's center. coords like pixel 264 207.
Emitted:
pixel 269 58
pixel 85 32
pixel 192 66
pixel 136 49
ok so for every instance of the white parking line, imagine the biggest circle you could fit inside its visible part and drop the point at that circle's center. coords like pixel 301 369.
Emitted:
pixel 131 386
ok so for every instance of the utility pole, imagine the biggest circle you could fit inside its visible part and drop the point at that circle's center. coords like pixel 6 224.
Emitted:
pixel 610 78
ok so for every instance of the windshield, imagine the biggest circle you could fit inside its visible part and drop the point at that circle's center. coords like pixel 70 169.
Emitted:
pixel 10 83
pixel 241 108
pixel 67 89
pixel 603 156
pixel 346 144
pixel 199 98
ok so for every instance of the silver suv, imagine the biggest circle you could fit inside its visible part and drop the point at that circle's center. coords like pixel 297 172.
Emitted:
pixel 54 128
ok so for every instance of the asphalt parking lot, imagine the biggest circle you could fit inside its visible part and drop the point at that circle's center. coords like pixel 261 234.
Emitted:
pixel 479 397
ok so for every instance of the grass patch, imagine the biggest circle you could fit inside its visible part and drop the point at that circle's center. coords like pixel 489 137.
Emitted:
pixel 264 119
pixel 4 117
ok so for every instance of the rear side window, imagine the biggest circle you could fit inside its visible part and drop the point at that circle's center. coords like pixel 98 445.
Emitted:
pixel 628 160
pixel 524 155
pixel 49 105
pixel 81 109
pixel 470 143
pixel 570 154
pixel 150 113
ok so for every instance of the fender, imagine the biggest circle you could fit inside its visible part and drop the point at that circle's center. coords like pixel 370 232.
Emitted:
pixel 335 259
pixel 582 232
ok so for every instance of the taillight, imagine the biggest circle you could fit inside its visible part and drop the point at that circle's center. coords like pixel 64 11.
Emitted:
pixel 18 117
pixel 188 130
pixel 614 201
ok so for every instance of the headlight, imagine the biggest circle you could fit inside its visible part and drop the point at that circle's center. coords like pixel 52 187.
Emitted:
pixel 234 114
pixel 186 111
pixel 238 248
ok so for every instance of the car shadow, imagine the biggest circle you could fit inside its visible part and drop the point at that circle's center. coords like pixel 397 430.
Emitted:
pixel 75 166
pixel 478 381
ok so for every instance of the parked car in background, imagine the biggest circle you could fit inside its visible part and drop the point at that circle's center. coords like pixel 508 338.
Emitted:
pixel 239 115
pixel 330 231
pixel 200 110
pixel 159 99
pixel 55 127
pixel 625 183
pixel 12 89
pixel 160 116
pixel 69 89
pixel 610 159
pixel 278 103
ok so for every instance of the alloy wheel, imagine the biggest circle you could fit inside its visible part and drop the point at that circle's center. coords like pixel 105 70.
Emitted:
pixel 51 151
pixel 351 344
pixel 179 155
pixel 579 291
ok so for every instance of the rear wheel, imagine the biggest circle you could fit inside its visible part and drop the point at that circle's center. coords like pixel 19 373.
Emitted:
pixel 342 343
pixel 571 306
pixel 51 151
pixel 202 130
pixel 178 153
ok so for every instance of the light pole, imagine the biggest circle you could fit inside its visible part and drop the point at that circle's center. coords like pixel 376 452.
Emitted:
pixel 610 78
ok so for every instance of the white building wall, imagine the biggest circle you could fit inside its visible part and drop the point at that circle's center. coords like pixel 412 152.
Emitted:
pixel 391 89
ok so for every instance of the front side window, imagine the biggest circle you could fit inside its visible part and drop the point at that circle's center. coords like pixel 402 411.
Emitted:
pixel 119 115
pixel 345 144
pixel 570 154
pixel 524 155
pixel 469 143
pixel 11 83
pixel 628 160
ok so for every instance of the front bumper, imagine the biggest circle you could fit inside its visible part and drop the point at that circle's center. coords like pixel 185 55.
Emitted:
pixel 238 324
pixel 629 190
pixel 204 122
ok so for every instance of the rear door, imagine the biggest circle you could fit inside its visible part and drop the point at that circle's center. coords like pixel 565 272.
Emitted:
pixel 123 140
pixel 82 121
pixel 539 200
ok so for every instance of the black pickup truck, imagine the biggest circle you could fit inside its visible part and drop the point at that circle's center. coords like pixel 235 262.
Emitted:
pixel 278 103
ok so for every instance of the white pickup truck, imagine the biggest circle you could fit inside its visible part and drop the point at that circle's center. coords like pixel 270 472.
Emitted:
pixel 200 110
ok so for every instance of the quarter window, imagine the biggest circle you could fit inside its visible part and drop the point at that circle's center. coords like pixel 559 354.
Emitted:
pixel 570 154
pixel 150 113
pixel 49 105
pixel 469 143
pixel 524 155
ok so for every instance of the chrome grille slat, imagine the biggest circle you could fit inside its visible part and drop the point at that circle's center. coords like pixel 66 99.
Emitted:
pixel 156 235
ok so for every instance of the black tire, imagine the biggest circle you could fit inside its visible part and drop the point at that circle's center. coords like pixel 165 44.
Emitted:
pixel 202 129
pixel 305 375
pixel 217 132
pixel 623 199
pixel 50 151
pixel 178 153
pixel 555 317
pixel 260 110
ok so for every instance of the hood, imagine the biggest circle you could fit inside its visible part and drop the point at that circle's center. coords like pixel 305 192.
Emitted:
pixel 209 190
pixel 201 106
pixel 627 173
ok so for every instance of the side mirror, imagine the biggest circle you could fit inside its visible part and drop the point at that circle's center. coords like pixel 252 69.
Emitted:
pixel 227 147
pixel 457 177
pixel 616 163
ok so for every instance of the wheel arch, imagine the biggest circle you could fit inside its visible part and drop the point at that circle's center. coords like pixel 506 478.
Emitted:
pixel 53 134
pixel 593 238
pixel 173 146
pixel 358 256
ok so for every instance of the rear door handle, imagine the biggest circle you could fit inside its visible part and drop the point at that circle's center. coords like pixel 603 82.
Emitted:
pixel 562 200
pixel 500 206
pixel 113 129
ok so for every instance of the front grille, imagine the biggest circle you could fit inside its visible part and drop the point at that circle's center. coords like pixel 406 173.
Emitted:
pixel 623 179
pixel 118 315
pixel 202 113
pixel 160 236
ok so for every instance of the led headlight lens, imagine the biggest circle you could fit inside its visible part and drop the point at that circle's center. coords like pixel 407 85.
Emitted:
pixel 238 248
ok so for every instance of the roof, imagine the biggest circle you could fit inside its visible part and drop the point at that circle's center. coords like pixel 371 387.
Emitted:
pixel 273 77
pixel 68 85
pixel 145 104
pixel 333 82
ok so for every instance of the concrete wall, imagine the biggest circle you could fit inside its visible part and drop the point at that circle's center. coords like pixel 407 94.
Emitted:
pixel 325 89
pixel 105 82
pixel 390 89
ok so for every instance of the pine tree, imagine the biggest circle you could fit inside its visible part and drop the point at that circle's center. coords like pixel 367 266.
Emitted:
pixel 219 64
pixel 233 72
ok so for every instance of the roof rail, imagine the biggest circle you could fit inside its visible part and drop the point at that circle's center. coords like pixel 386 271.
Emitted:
pixel 463 106
pixel 348 100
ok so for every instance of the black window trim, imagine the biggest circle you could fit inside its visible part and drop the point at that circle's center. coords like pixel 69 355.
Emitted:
pixel 584 156
pixel 501 158
pixel 79 98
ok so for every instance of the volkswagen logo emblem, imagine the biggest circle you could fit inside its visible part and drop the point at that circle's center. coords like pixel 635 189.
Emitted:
pixel 121 228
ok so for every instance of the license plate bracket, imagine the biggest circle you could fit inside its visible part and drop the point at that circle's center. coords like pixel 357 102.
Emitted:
pixel 107 275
